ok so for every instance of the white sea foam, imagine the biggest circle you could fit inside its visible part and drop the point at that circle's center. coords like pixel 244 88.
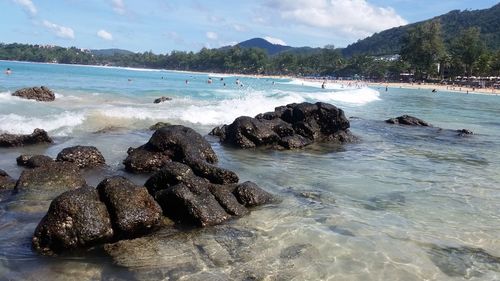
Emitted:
pixel 57 124
pixel 345 85
pixel 356 96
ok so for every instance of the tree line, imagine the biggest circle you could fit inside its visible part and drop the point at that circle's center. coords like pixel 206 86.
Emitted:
pixel 423 54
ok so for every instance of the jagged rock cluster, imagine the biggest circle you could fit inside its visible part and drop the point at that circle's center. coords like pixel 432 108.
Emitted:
pixel 288 127
pixel 187 187
pixel 13 140
pixel 35 93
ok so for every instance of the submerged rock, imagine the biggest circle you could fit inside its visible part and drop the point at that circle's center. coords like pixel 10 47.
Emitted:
pixel 33 161
pixel 55 177
pixel 288 127
pixel 12 140
pixel 82 156
pixel 35 93
pixel 464 132
pixel 408 120
pixel 6 182
pixel 132 209
pixel 162 99
pixel 75 219
pixel 464 262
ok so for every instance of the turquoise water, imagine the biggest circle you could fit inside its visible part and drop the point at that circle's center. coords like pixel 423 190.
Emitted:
pixel 395 206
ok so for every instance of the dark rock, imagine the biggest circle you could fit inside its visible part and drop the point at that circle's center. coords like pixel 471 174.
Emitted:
pixel 75 219
pixel 6 182
pixel 181 144
pixel 159 125
pixel 132 209
pixel 109 129
pixel 464 132
pixel 144 159
pixel 162 99
pixel 56 177
pixel 288 127
pixel 408 120
pixel 33 161
pixel 35 93
pixel 189 199
pixel 250 195
pixel 82 156
pixel 464 262
pixel 11 140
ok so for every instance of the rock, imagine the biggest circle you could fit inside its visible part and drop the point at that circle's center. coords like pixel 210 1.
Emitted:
pixel 288 127
pixel 181 144
pixel 133 211
pixel 35 93
pixel 190 199
pixel 159 125
pixel 408 120
pixel 464 132
pixel 250 195
pixel 162 99
pixel 6 182
pixel 75 219
pixel 82 156
pixel 33 161
pixel 11 140
pixel 55 177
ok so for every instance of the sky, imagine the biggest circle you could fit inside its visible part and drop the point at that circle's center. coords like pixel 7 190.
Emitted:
pixel 162 26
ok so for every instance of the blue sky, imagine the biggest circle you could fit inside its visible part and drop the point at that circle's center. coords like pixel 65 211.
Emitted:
pixel 166 25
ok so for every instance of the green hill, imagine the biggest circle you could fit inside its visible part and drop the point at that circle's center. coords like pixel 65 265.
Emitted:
pixel 389 41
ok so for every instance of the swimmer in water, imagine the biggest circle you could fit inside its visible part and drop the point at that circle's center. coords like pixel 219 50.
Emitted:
pixel 8 71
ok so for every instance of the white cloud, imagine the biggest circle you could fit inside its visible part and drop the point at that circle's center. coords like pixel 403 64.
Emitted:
pixel 239 27
pixel 212 35
pixel 59 31
pixel 119 6
pixel 105 35
pixel 355 18
pixel 27 5
pixel 275 40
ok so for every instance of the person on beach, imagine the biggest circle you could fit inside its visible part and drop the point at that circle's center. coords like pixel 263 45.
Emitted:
pixel 8 71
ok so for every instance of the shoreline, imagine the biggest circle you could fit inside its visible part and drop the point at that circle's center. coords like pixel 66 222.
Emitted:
pixel 437 87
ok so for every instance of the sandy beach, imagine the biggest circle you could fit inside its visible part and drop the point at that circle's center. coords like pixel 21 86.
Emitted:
pixel 437 87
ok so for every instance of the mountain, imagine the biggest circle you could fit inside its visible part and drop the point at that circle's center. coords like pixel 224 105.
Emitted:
pixel 389 41
pixel 110 52
pixel 270 48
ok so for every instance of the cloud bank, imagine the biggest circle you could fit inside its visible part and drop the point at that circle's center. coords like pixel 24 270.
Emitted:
pixel 59 31
pixel 28 6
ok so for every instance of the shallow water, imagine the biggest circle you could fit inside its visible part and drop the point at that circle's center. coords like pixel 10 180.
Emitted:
pixel 402 204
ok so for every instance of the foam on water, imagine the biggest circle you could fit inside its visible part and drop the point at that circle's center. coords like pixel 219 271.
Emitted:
pixel 59 124
pixel 318 83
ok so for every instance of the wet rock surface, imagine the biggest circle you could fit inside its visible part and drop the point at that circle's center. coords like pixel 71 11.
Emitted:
pixel 82 156
pixel 36 93
pixel 288 127
pixel 6 181
pixel 159 125
pixel 408 120
pixel 132 209
pixel 33 161
pixel 180 144
pixel 189 199
pixel 12 140
pixel 75 219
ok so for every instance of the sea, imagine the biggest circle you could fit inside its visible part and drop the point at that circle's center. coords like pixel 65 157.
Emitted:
pixel 402 203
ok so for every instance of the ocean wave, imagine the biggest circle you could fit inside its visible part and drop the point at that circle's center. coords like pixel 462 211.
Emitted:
pixel 346 85
pixel 59 124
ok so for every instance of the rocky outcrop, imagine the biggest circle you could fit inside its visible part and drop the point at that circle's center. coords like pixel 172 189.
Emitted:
pixel 162 99
pixel 189 199
pixel 464 132
pixel 35 93
pixel 6 182
pixel 181 144
pixel 75 219
pixel 54 178
pixel 159 125
pixel 82 156
pixel 408 120
pixel 33 161
pixel 288 127
pixel 11 140
pixel 132 210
